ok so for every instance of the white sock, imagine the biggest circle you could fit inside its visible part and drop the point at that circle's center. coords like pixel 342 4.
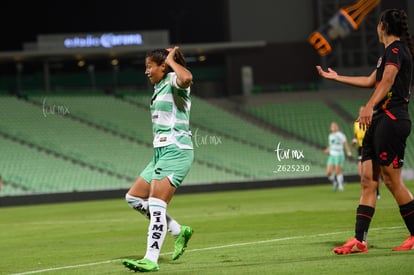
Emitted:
pixel 157 228
pixel 340 179
pixel 173 226
pixel 141 205
pixel 138 204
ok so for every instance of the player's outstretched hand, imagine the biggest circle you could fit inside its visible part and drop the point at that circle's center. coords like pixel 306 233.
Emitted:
pixel 329 74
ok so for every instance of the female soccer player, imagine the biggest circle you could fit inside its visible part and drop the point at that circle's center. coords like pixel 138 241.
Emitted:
pixel 173 155
pixel 336 158
pixel 386 118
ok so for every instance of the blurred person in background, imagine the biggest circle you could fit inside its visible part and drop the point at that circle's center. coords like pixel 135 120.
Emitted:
pixel 388 124
pixel 336 157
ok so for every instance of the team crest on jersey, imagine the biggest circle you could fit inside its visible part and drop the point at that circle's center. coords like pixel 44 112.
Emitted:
pixel 395 50
pixel 379 62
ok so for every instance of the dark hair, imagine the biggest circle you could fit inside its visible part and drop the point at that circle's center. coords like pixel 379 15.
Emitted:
pixel 396 23
pixel 159 56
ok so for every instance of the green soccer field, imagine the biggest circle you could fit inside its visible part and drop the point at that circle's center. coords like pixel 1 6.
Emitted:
pixel 267 231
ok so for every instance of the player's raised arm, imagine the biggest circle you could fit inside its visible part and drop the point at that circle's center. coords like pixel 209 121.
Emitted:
pixel 357 81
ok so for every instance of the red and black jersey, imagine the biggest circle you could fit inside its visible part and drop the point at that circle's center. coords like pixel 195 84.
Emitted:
pixel 395 103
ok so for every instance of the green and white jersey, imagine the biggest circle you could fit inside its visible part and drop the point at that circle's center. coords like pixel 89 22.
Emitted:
pixel 336 143
pixel 170 113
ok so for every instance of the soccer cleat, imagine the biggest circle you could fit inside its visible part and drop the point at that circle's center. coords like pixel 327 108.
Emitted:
pixel 351 246
pixel 143 265
pixel 408 244
pixel 181 241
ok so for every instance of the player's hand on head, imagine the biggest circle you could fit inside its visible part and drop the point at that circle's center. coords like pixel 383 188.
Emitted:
pixel 171 54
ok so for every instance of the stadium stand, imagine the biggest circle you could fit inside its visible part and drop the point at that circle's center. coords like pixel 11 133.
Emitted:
pixel 26 169
pixel 309 120
pixel 93 141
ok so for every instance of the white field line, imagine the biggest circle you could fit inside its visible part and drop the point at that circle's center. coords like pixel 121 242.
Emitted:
pixel 205 249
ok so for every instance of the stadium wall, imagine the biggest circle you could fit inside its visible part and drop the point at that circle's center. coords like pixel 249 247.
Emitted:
pixel 184 189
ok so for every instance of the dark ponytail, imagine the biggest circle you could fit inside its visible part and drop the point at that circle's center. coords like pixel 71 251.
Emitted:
pixel 180 58
pixel 396 23
pixel 406 35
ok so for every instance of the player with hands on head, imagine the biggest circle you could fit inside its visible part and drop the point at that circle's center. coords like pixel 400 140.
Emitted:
pixel 172 158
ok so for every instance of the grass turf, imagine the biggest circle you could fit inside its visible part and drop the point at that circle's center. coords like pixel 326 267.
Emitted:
pixel 267 231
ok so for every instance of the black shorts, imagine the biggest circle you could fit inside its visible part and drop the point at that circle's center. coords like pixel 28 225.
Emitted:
pixel 385 140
